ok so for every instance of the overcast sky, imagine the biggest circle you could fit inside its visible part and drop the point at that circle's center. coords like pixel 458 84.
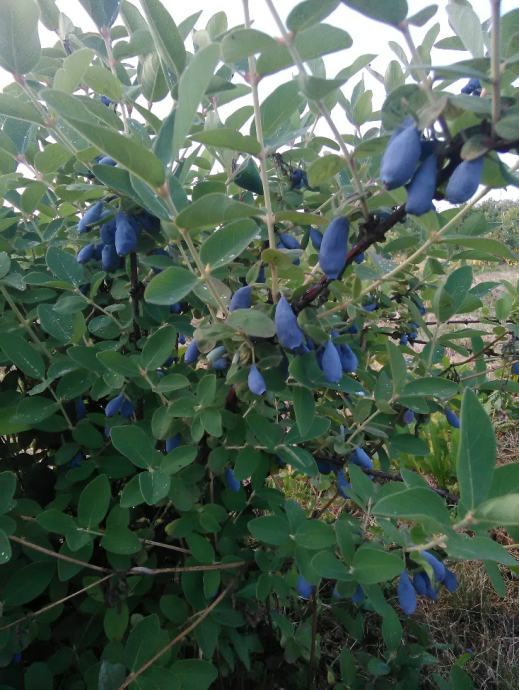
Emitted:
pixel 368 37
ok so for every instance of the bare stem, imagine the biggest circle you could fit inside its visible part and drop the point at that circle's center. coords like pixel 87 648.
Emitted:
pixel 205 275
pixel 495 63
pixel 112 63
pixel 350 162
pixel 253 80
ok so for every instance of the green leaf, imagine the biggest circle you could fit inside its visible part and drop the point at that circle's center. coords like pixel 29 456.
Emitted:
pixel 119 539
pixel 467 26
pixel 308 13
pixel 228 139
pixel 158 347
pixel 102 81
pixel 224 245
pixel 51 158
pixel 502 511
pixel 372 565
pixel 431 387
pixel 168 40
pixel 316 88
pixel 214 209
pixel 34 410
pixel 277 108
pixel 103 12
pixel 192 86
pixel 20 48
pixel 178 458
pixel 269 529
pixel 304 408
pixel 478 548
pixel 154 486
pixel 64 266
pixel 94 502
pixel 413 504
pixel 127 151
pixel 392 12
pixel 7 489
pixel 485 244
pixel 240 43
pixel 299 458
pixel 136 445
pixel 398 366
pixel 27 583
pixel 323 168
pixel 24 356
pixel 449 296
pixel 5 548
pixel 251 322
pixel 476 453
pixel 314 535
pixel 170 286
pixel 120 364
pixel 58 325
pixel 194 674
pixel 19 110
pixel 329 566
pixel 5 264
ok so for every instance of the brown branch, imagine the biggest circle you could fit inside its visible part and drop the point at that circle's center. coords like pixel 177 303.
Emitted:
pixel 200 618
pixel 59 556
pixel 135 292
pixel 311 666
pixel 142 570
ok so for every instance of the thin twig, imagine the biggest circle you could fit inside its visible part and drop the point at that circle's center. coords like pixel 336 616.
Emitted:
pixel 200 618
pixel 313 642
pixel 253 81
pixel 33 614
pixel 495 63
pixel 59 556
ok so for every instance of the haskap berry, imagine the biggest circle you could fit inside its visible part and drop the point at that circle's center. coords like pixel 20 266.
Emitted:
pixel 464 181
pixel 361 458
pixel 349 360
pixel 86 254
pixel 332 254
pixel 242 298
pixel 287 329
pixel 125 235
pixel 288 241
pixel 316 238
pixel 109 258
pixel 192 352
pixel 406 594
pixel 303 587
pixel 401 156
pixel 421 189
pixel 91 216
pixel 331 363
pixel 232 483
pixel 255 381
pixel 452 418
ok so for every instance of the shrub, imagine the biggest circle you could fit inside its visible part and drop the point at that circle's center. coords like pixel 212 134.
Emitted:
pixel 181 343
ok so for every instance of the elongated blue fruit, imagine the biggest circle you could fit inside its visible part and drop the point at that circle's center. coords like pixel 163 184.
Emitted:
pixel 288 241
pixel 125 235
pixel 331 363
pixel 332 254
pixel 242 298
pixel 173 442
pixel 316 238
pixel 371 306
pixel 175 308
pixel 421 189
pixel 404 339
pixel 353 329
pixel 106 160
pixel 406 594
pixel 436 565
pixel 76 460
pixel 113 407
pixel 420 583
pixel 232 483
pixel 86 254
pixel 192 352
pixel 106 101
pixel 450 581
pixel 361 458
pixel 464 181
pixel 400 157
pixel 92 215
pixel 408 417
pixel 358 595
pixel 359 258
pixel 127 408
pixel 515 368
pixel 255 381
pixel 343 485
pixel 80 409
pixel 220 364
pixel 324 466
pixel 109 258
pixel 287 329
pixel 303 587
pixel 298 179
pixel 452 418
pixel 107 232
pixel 349 360
pixel 472 87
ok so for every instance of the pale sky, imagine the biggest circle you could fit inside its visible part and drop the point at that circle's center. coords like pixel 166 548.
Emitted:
pixel 368 37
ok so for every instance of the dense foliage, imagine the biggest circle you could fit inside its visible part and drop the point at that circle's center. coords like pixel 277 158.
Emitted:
pixel 227 359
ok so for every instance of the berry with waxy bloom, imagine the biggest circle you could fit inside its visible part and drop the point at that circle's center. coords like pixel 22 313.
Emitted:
pixel 450 581
pixel 303 587
pixel 436 565
pixel 125 235
pixel 343 485
pixel 192 352
pixel 332 254
pixel 316 238
pixel 288 241
pixel 91 216
pixel 86 254
pixel 242 298
pixel 255 381
pixel 331 363
pixel 109 258
pixel 452 418
pixel 361 458
pixel 421 189
pixel 515 368
pixel 401 156
pixel 107 232
pixel 349 360
pixel 114 405
pixel 232 483
pixel 408 417
pixel 464 181
pixel 287 329
pixel 173 442
pixel 358 595
pixel 406 594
